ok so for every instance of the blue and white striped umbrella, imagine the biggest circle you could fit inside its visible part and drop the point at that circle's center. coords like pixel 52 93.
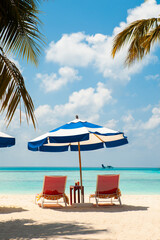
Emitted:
pixel 78 135
pixel 6 140
pixel 90 137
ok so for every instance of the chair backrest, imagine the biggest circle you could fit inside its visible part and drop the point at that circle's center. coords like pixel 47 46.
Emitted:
pixel 54 185
pixel 107 184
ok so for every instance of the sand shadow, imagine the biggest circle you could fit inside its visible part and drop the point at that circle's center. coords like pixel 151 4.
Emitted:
pixel 108 208
pixel 28 229
pixel 6 210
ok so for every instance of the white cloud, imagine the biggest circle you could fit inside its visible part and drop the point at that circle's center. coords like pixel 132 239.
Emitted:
pixel 128 118
pixel 45 115
pixel 130 124
pixel 111 124
pixel 70 50
pixel 148 9
pixel 87 103
pixel 81 50
pixel 154 120
pixel 53 82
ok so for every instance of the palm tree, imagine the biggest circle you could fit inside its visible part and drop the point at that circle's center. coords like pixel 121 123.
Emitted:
pixel 19 35
pixel 140 35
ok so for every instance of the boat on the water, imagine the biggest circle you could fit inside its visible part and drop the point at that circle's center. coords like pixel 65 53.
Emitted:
pixel 110 167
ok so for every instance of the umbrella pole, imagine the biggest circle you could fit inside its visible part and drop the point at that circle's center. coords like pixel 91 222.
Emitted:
pixel 80 166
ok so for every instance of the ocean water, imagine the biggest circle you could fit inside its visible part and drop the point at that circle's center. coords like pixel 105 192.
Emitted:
pixel 28 180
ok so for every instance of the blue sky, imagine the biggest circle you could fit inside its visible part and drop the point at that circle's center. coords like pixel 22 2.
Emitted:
pixel 76 75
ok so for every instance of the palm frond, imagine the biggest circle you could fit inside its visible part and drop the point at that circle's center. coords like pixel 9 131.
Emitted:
pixel 19 28
pixel 122 38
pixel 12 90
pixel 135 52
pixel 150 39
pixel 137 34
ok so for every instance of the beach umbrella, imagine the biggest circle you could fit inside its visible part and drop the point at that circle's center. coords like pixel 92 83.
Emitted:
pixel 78 135
pixel 6 140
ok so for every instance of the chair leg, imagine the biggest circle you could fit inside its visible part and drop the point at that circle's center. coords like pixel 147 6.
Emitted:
pixel 119 199
pixel 96 202
pixel 42 202
pixel 65 201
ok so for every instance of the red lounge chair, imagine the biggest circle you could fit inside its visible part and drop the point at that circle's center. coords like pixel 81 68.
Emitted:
pixel 53 189
pixel 107 187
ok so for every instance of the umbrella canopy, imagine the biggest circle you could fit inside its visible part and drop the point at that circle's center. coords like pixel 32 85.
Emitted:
pixel 90 136
pixel 78 135
pixel 6 140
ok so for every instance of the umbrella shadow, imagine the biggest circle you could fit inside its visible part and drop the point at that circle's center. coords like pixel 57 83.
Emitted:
pixel 28 229
pixel 6 210
pixel 108 208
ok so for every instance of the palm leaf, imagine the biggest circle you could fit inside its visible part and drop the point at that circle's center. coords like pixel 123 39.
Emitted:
pixel 151 38
pixel 139 35
pixel 19 28
pixel 12 90
pixel 135 52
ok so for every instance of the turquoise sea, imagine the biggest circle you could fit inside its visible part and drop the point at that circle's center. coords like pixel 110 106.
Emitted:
pixel 29 180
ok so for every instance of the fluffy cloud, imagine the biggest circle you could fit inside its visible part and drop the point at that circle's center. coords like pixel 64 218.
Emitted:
pixel 148 9
pixel 70 50
pixel 81 50
pixel 152 123
pixel 45 115
pixel 111 124
pixel 130 124
pixel 53 82
pixel 128 118
pixel 86 102
pixel 154 120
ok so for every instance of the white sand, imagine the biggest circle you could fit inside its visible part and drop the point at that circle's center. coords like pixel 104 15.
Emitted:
pixel 138 218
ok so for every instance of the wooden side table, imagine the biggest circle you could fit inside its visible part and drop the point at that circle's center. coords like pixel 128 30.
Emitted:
pixel 74 189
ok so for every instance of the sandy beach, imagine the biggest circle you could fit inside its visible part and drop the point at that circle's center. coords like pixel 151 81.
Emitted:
pixel 138 218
